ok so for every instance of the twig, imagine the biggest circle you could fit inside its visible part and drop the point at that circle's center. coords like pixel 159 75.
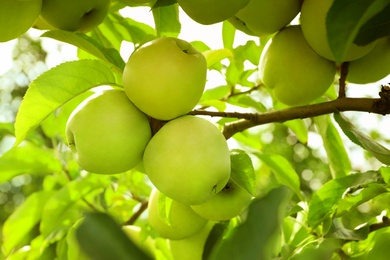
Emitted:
pixel 137 214
pixel 343 79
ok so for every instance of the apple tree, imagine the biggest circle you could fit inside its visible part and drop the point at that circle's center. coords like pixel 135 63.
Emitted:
pixel 180 150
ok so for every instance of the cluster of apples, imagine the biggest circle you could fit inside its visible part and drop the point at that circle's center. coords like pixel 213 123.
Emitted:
pixel 187 159
pixel 18 16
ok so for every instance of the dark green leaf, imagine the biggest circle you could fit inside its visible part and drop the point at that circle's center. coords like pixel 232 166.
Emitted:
pixel 214 238
pixel 166 19
pixel 355 135
pixel 242 171
pixel 102 239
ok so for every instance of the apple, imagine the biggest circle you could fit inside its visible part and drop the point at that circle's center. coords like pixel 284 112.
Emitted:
pixel 146 244
pixel 373 66
pixel 296 74
pixel 313 22
pixel 107 133
pixel 191 248
pixel 188 160
pixel 226 204
pixel 211 11
pixel 17 16
pixel 165 78
pixel 180 222
pixel 264 17
pixel 75 15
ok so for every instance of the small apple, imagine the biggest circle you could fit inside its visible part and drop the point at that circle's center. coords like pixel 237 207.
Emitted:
pixel 165 78
pixel 373 66
pixel 226 204
pixel 107 133
pixel 264 17
pixel 211 11
pixel 313 22
pixel 188 160
pixel 180 222
pixel 17 16
pixel 146 244
pixel 191 248
pixel 296 74
pixel 75 15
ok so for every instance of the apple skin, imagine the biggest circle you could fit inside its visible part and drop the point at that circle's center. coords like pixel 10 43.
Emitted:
pixel 313 22
pixel 184 222
pixel 75 15
pixel 296 74
pixel 211 11
pixel 191 248
pixel 107 133
pixel 188 160
pixel 373 66
pixel 147 245
pixel 264 17
pixel 226 204
pixel 17 16
pixel 165 78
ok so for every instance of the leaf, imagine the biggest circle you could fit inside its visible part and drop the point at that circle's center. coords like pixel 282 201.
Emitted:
pixel 338 159
pixel 164 206
pixel 283 171
pixel 355 135
pixel 160 3
pixel 54 88
pixel 28 159
pixel 23 220
pixel 102 238
pixel 166 19
pixel 344 20
pixel 89 45
pixel 215 93
pixel 242 172
pixel 324 201
pixel 228 34
pixel 299 128
pixel 337 230
pixel 214 238
pixel 258 235
pixel 215 56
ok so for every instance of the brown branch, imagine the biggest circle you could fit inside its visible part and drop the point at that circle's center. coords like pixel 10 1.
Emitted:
pixel 343 79
pixel 137 214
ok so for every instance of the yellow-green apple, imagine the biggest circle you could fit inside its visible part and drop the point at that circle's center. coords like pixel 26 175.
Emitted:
pixel 373 66
pixel 75 15
pixel 165 78
pixel 188 160
pixel 107 133
pixel 226 204
pixel 146 244
pixel 313 22
pixel 191 248
pixel 172 219
pixel 17 16
pixel 296 74
pixel 211 11
pixel 264 17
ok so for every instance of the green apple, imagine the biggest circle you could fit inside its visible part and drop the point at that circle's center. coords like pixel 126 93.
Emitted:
pixel 146 244
pixel 191 248
pixel 165 78
pixel 226 204
pixel 296 74
pixel 107 133
pixel 373 66
pixel 17 16
pixel 264 17
pixel 211 11
pixel 75 15
pixel 313 22
pixel 172 219
pixel 188 160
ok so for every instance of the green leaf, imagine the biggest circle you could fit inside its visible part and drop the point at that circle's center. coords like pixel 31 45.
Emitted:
pixel 28 159
pixel 337 230
pixel 23 220
pixel 160 3
pixel 102 238
pixel 257 237
pixel 344 20
pixel 215 56
pixel 324 201
pixel 299 128
pixel 214 238
pixel 164 206
pixel 228 34
pixel 283 171
pixel 55 215
pixel 54 88
pixel 355 135
pixel 215 93
pixel 338 159
pixel 242 171
pixel 89 45
pixel 166 19
pixel 385 172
